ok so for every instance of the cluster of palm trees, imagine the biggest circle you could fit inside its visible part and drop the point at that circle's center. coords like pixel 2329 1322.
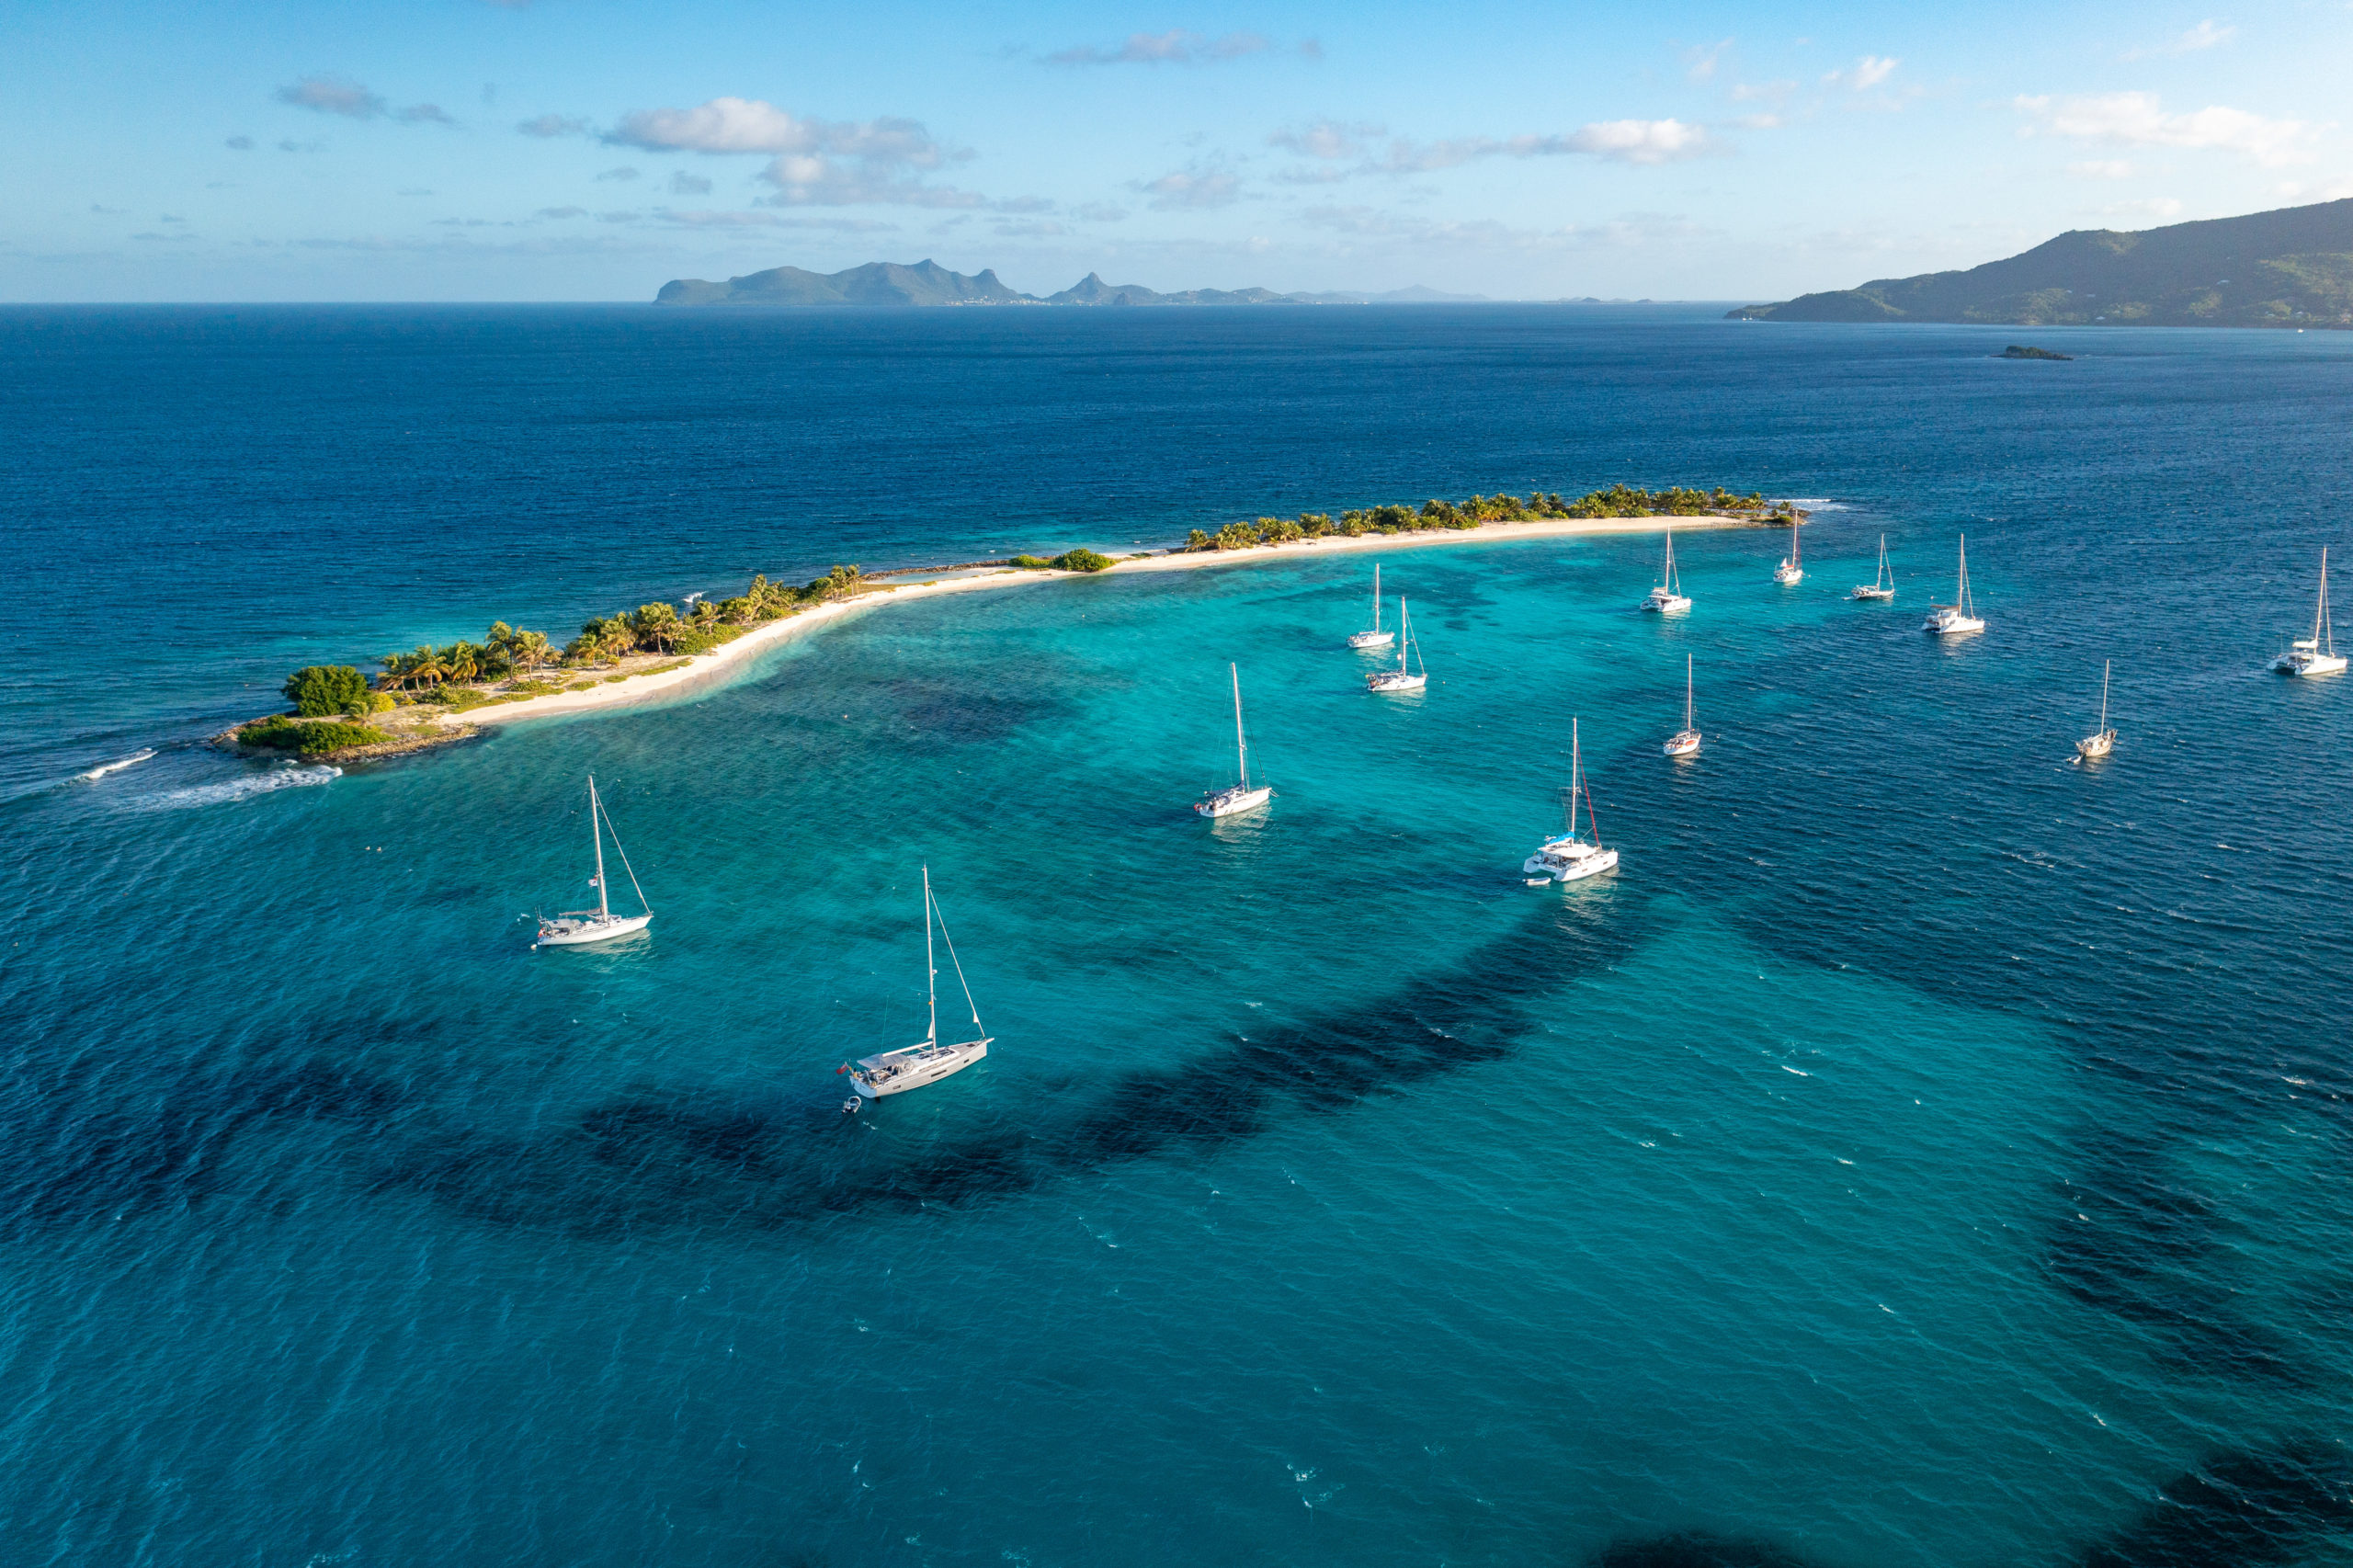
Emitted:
pixel 1618 501
pixel 504 652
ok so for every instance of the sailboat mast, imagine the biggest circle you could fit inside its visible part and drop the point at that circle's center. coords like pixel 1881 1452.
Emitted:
pixel 1963 594
pixel 597 837
pixel 1573 761
pixel 2104 667
pixel 1686 691
pixel 930 970
pixel 1375 595
pixel 2321 629
pixel 1241 747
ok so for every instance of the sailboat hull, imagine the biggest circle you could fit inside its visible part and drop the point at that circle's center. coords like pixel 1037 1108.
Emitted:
pixel 1864 591
pixel 1233 802
pixel 1951 623
pixel 1397 680
pixel 1373 640
pixel 896 1072
pixel 1683 743
pixel 1786 573
pixel 2310 664
pixel 581 933
pixel 2098 745
pixel 1661 602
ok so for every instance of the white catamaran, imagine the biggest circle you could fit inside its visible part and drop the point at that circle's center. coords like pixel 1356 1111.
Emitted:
pixel 928 1061
pixel 1569 857
pixel 1882 587
pixel 1790 570
pixel 1239 796
pixel 1960 616
pixel 577 928
pixel 2104 740
pixel 1409 674
pixel 2316 654
pixel 1686 741
pixel 1668 597
pixel 1374 636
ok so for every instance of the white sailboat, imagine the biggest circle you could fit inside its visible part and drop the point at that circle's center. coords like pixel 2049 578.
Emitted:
pixel 2104 740
pixel 1960 616
pixel 1239 796
pixel 1409 674
pixel 1374 636
pixel 1668 597
pixel 577 928
pixel 1882 587
pixel 1789 570
pixel 1686 741
pixel 1570 858
pixel 929 1059
pixel 2316 654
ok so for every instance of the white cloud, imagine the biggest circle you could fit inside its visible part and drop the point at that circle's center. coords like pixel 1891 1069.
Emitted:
pixel 338 95
pixel 685 184
pixel 826 163
pixel 2153 207
pixel 1700 61
pixel 1618 141
pixel 1326 139
pixel 2205 35
pixel 1866 74
pixel 2102 168
pixel 1174 47
pixel 2138 120
pixel 1178 191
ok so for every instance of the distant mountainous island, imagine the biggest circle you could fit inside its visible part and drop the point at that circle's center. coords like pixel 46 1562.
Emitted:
pixel 2288 268
pixel 886 284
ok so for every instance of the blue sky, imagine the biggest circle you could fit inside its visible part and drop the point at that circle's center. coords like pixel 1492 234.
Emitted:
pixel 589 150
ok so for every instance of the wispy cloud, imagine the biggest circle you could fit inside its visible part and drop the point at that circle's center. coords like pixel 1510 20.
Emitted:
pixel 553 125
pixel 239 144
pixel 1175 47
pixel 2152 207
pixel 1327 139
pixel 1700 60
pixel 826 163
pixel 685 184
pixel 2102 168
pixel 773 221
pixel 2205 35
pixel 1185 190
pixel 1865 74
pixel 1643 141
pixel 617 176
pixel 338 94
pixel 564 212
pixel 2138 120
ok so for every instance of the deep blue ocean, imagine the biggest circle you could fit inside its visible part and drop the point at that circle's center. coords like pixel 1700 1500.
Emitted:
pixel 1925 1151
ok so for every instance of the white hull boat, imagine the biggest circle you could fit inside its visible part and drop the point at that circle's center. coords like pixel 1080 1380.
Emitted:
pixel 930 1059
pixel 1242 795
pixel 1570 857
pixel 2094 746
pixel 1409 674
pixel 578 927
pixel 1960 616
pixel 1686 741
pixel 1374 636
pixel 1668 597
pixel 1882 587
pixel 2316 654
pixel 1791 570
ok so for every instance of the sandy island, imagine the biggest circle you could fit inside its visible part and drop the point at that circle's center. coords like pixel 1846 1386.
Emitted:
pixel 698 673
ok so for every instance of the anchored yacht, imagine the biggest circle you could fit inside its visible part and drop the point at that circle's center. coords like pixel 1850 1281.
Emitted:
pixel 1571 858
pixel 1409 674
pixel 1668 597
pixel 2316 654
pixel 2103 740
pixel 929 1059
pixel 1790 570
pixel 578 927
pixel 1960 616
pixel 1686 741
pixel 1882 587
pixel 1241 795
pixel 1374 636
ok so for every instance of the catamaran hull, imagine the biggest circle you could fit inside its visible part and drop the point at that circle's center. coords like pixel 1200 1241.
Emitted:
pixel 1574 870
pixel 1666 604
pixel 591 931
pixel 873 1084
pixel 1952 625
pixel 2312 665
pixel 1232 803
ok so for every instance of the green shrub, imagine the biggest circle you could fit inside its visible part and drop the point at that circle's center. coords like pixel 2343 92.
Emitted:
pixel 1030 563
pixel 1080 561
pixel 319 689
pixel 316 739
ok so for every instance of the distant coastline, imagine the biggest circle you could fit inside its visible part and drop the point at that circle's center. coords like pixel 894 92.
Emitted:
pixel 373 728
pixel 888 285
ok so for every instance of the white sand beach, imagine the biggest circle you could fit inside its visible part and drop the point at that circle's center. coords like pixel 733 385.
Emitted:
pixel 704 672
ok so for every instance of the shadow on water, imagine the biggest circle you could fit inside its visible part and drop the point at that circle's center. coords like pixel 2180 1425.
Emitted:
pixel 661 1157
pixel 2243 1510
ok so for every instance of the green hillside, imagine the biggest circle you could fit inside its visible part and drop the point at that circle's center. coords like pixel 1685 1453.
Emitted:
pixel 2289 267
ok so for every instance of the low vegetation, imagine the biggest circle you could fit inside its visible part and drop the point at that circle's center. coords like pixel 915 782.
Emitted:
pixel 316 738
pixel 1618 501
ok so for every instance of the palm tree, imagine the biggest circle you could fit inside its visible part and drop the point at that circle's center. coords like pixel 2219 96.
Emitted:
pixel 656 624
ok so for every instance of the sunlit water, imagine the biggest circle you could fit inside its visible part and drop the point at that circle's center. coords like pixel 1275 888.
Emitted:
pixel 1923 1151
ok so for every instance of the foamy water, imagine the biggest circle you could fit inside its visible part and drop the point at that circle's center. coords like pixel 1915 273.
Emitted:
pixel 278 776
pixel 105 768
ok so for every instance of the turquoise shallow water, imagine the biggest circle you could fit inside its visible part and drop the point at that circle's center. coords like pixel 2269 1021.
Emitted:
pixel 1923 1151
